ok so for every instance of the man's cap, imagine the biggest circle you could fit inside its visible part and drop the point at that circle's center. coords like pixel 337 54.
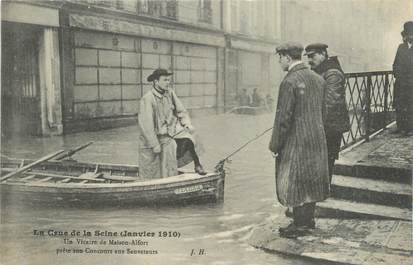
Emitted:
pixel 408 28
pixel 290 47
pixel 158 73
pixel 315 47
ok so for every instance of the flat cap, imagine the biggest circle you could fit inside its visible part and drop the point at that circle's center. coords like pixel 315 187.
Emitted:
pixel 315 47
pixel 290 47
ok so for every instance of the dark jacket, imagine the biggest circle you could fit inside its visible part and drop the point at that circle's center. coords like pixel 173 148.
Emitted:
pixel 335 116
pixel 403 63
pixel 403 71
pixel 299 139
pixel 403 86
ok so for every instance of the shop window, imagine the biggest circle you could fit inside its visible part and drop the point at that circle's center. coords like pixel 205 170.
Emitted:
pixel 205 11
pixel 234 15
pixel 143 6
pixel 245 18
pixel 155 8
pixel 167 8
pixel 127 5
pixel 120 4
pixel 105 3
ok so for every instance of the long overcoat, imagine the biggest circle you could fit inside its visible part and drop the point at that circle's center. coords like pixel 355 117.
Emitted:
pixel 299 140
pixel 162 117
pixel 403 86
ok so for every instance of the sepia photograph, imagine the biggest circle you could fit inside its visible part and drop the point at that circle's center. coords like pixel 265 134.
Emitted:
pixel 206 132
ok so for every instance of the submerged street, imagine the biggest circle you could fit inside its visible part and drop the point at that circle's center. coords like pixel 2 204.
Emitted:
pixel 219 231
pixel 88 65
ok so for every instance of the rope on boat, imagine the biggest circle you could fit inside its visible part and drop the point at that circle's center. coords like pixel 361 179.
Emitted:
pixel 220 166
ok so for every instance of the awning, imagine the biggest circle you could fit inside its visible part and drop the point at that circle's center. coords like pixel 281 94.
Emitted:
pixel 30 14
pixel 142 30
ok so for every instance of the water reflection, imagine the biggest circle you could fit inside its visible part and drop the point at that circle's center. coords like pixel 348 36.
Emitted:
pixel 221 230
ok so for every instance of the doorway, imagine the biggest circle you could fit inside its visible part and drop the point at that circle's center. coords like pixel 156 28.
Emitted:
pixel 20 93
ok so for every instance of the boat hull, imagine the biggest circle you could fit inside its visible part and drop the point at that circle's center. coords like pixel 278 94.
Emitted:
pixel 187 188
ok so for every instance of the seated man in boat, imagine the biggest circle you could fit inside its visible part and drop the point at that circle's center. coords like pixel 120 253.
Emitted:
pixel 166 134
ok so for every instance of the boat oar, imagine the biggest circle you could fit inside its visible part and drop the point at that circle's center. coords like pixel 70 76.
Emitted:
pixel 72 151
pixel 29 166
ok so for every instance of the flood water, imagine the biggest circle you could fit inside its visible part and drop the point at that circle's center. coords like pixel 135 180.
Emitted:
pixel 221 231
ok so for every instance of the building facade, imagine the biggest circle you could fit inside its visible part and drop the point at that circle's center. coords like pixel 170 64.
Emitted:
pixel 87 60
pixel 252 32
pixel 31 87
pixel 364 34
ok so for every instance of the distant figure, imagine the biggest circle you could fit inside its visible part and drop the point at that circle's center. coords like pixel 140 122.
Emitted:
pixel 335 116
pixel 243 98
pixel 256 98
pixel 403 86
pixel 269 101
pixel 164 126
pixel 298 141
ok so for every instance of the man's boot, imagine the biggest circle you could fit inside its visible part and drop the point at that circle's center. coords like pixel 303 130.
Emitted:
pixel 200 170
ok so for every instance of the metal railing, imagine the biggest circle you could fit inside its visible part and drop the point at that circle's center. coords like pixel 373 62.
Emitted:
pixel 370 103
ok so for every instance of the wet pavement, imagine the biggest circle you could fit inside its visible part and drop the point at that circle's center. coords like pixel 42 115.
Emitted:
pixel 221 231
pixel 351 241
pixel 387 149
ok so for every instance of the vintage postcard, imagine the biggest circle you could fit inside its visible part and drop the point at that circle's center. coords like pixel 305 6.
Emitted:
pixel 211 132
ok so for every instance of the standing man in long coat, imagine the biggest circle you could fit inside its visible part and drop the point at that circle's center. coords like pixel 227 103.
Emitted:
pixel 403 87
pixel 335 116
pixel 165 130
pixel 298 141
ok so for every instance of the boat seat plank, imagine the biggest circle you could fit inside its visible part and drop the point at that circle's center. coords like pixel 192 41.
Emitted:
pixel 65 180
pixel 31 165
pixel 45 179
pixel 45 174
pixel 122 178
pixel 91 175
pixel 28 177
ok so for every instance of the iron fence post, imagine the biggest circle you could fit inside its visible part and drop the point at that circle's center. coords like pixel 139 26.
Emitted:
pixel 368 111
pixel 386 96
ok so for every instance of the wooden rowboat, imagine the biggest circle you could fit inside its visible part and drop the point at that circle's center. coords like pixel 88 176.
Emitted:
pixel 248 110
pixel 72 183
